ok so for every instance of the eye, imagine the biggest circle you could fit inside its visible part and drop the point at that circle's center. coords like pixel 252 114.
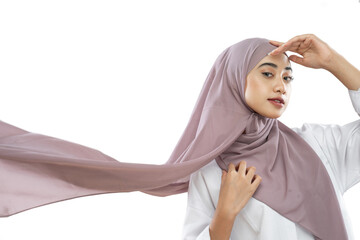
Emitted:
pixel 289 78
pixel 266 74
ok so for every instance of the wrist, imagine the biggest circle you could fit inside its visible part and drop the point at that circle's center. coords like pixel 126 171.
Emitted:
pixel 344 71
pixel 225 213
pixel 334 61
pixel 221 225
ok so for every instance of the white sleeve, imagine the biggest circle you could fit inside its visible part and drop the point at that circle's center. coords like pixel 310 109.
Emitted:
pixel 341 146
pixel 355 99
pixel 200 209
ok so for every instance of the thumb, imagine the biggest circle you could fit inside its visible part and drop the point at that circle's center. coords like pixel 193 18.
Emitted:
pixel 297 59
pixel 223 173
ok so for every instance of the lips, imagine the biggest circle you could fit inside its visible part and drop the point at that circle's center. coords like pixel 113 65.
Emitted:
pixel 277 104
pixel 277 98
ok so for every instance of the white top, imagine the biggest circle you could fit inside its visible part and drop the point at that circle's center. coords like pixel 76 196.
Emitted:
pixel 338 148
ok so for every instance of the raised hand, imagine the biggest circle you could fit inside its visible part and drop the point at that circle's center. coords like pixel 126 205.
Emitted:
pixel 315 52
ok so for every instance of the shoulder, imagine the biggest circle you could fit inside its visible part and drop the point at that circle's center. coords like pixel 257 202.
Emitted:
pixel 327 132
pixel 315 133
pixel 308 131
pixel 305 129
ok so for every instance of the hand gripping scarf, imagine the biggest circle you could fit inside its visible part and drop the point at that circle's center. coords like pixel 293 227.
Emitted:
pixel 37 169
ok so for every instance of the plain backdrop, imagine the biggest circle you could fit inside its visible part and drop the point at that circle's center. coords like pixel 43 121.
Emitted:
pixel 123 77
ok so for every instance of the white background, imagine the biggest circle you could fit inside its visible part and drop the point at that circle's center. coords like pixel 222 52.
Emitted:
pixel 123 77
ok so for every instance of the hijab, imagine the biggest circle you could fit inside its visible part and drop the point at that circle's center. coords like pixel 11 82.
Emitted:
pixel 36 169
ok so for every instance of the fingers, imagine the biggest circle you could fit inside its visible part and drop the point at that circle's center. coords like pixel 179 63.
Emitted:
pixel 250 173
pixel 297 59
pixel 223 176
pixel 293 44
pixel 257 181
pixel 231 167
pixel 242 168
pixel 275 43
pixel 246 172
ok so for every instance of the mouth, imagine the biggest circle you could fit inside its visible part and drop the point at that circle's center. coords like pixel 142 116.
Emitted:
pixel 278 99
pixel 277 102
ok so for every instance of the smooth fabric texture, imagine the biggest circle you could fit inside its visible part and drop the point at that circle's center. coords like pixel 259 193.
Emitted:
pixel 339 150
pixel 62 170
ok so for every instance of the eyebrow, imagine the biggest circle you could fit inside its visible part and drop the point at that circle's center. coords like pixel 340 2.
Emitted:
pixel 274 66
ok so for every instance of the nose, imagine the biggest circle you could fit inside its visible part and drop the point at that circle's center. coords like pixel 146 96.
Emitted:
pixel 280 86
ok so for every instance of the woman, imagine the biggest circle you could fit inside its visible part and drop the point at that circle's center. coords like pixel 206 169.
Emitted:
pixel 221 203
pixel 37 169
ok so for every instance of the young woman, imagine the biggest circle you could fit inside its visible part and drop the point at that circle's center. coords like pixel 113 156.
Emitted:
pixel 221 204
pixel 303 172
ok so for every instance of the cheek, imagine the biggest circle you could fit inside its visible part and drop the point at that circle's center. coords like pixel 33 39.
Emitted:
pixel 256 88
pixel 252 93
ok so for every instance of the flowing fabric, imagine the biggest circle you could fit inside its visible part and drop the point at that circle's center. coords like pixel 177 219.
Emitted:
pixel 37 169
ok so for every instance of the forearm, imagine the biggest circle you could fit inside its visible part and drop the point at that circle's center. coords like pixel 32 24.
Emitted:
pixel 344 71
pixel 221 226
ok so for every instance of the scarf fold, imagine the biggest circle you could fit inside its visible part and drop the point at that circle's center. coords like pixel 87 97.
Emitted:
pixel 36 169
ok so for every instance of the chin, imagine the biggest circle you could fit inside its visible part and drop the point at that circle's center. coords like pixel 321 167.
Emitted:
pixel 271 115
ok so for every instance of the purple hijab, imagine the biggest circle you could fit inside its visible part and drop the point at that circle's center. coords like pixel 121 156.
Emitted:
pixel 36 169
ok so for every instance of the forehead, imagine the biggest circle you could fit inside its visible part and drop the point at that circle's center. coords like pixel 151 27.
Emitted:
pixel 280 60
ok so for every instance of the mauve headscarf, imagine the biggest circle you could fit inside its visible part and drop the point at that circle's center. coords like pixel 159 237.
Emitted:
pixel 37 169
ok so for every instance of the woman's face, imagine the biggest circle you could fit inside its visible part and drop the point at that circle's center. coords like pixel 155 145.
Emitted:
pixel 270 78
